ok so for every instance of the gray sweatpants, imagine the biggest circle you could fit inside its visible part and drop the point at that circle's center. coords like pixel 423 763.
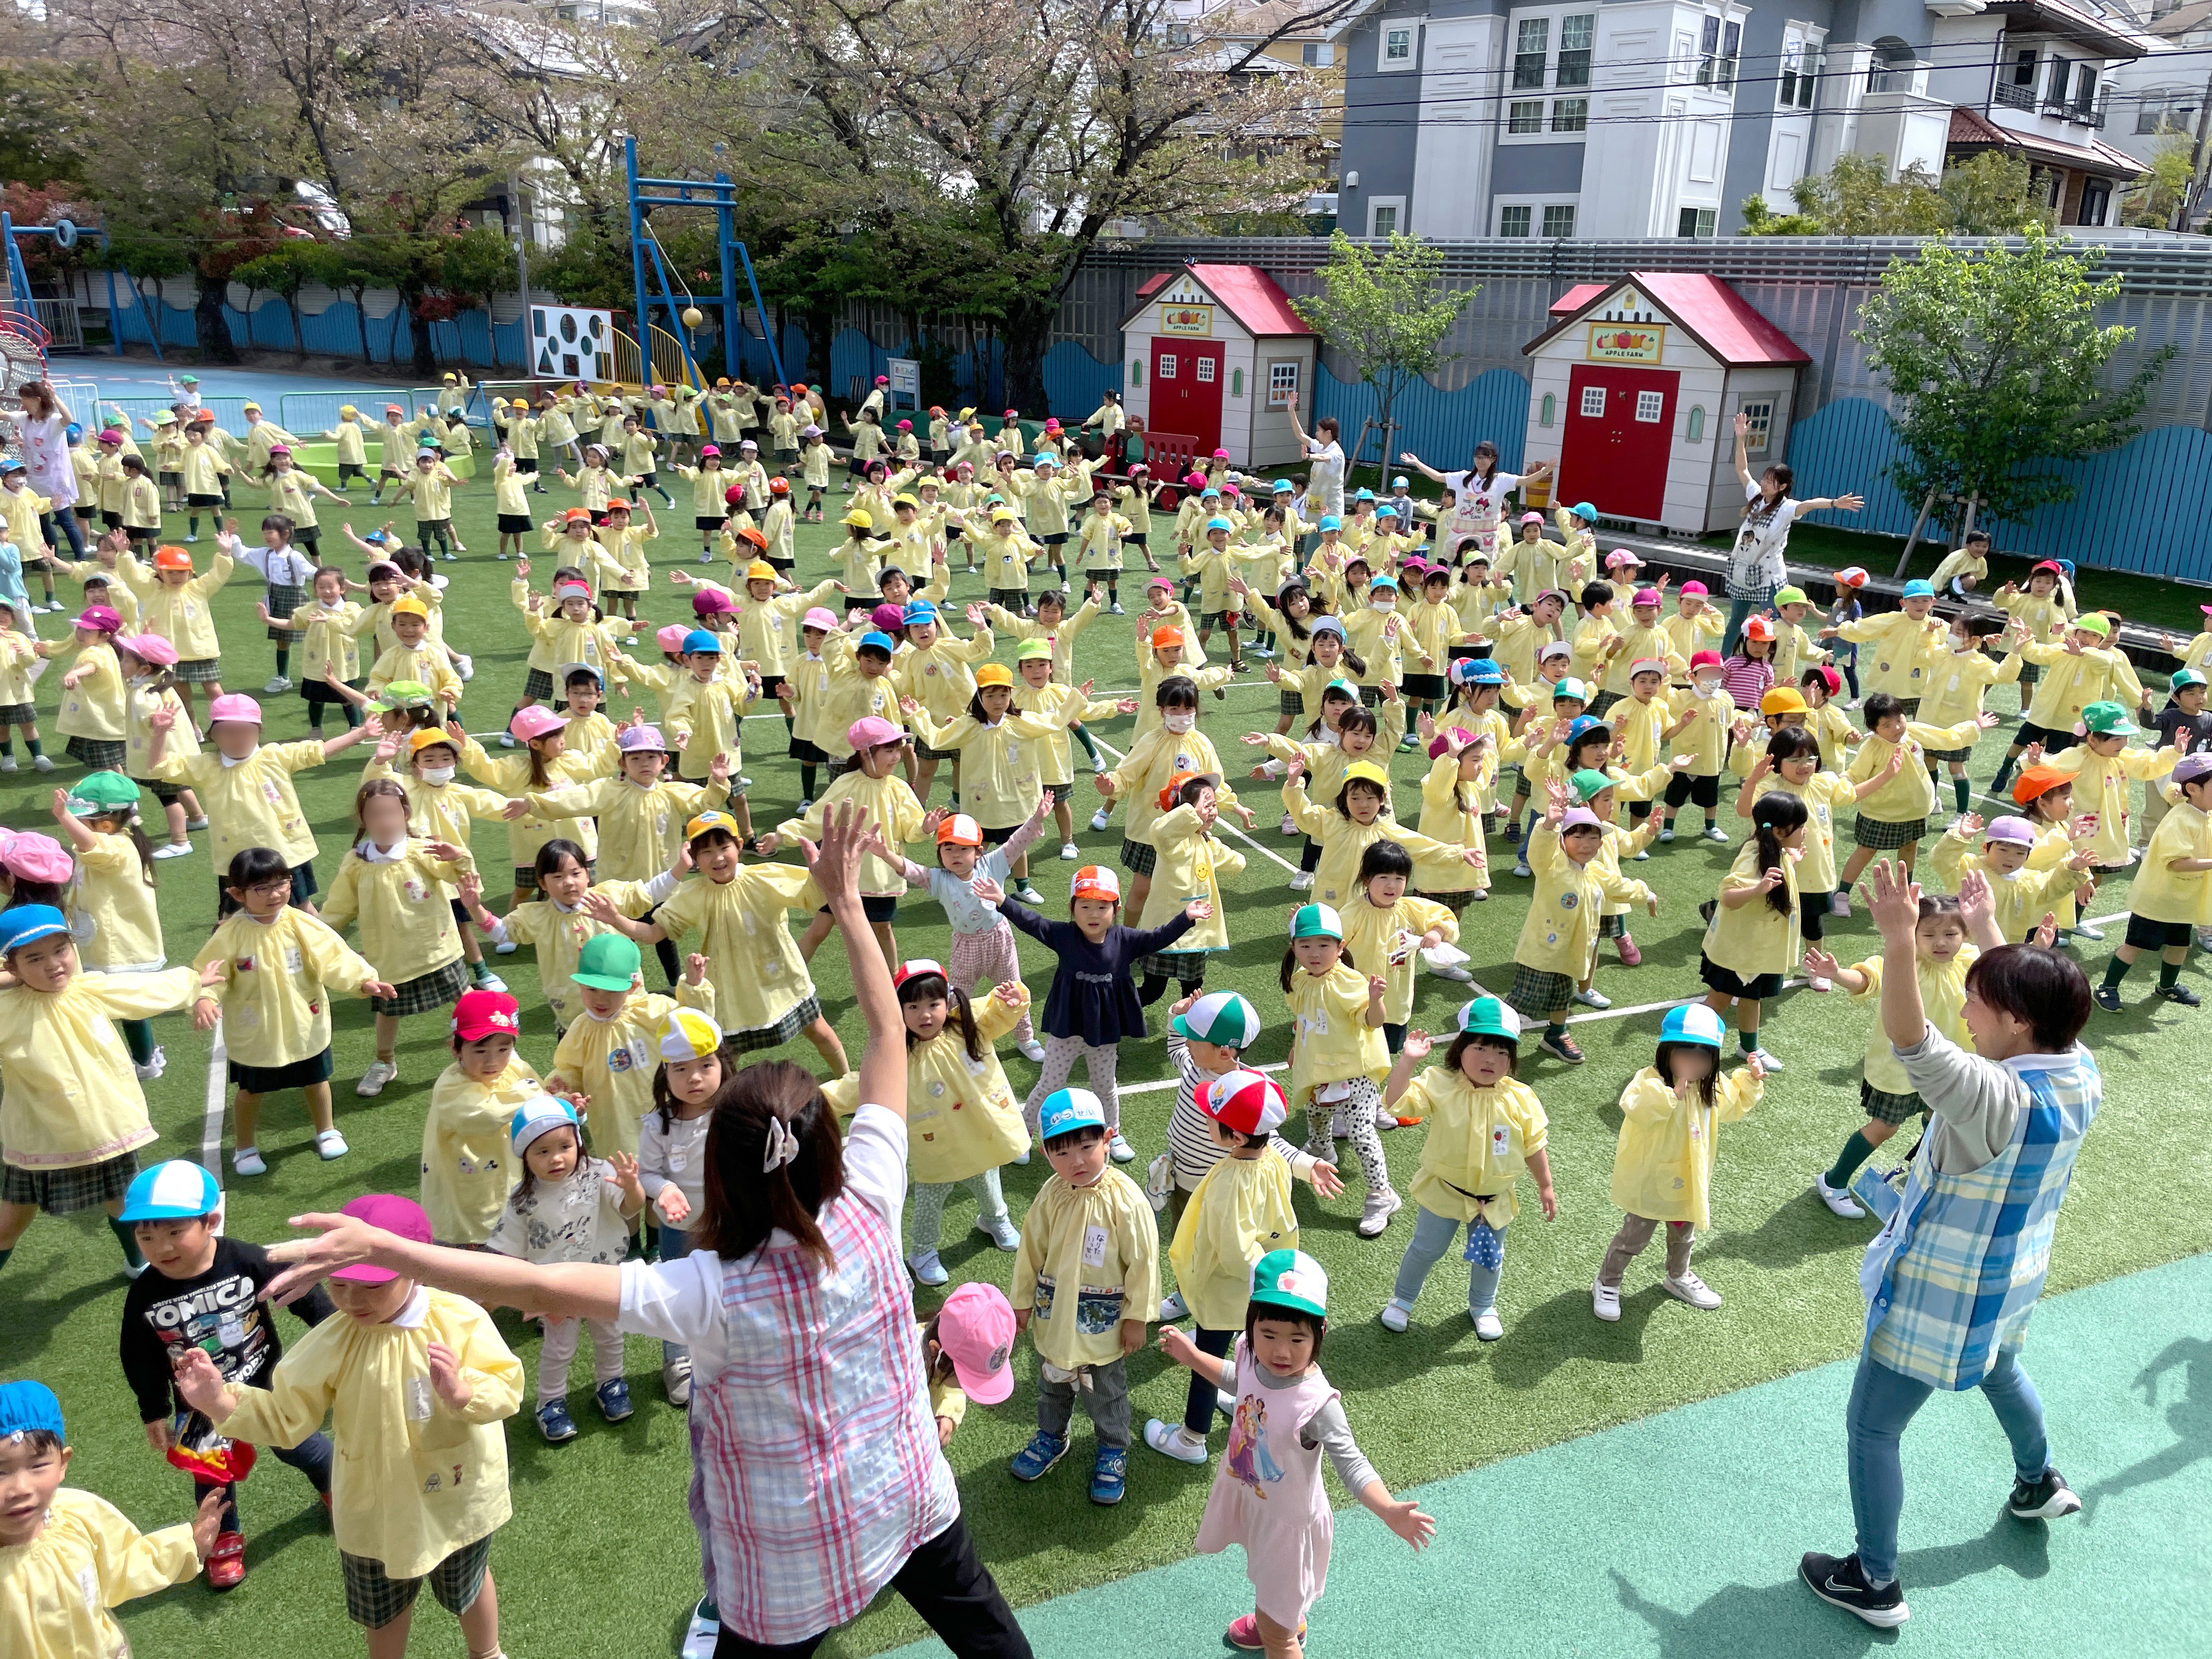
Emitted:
pixel 926 1207
pixel 1635 1233
pixel 1060 1056
pixel 1107 1400
pixel 558 1349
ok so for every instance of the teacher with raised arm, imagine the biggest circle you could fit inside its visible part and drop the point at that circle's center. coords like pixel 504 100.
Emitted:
pixel 1953 1274
pixel 816 1478
pixel 1478 497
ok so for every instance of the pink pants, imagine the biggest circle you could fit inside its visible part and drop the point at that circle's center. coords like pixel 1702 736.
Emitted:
pixel 986 959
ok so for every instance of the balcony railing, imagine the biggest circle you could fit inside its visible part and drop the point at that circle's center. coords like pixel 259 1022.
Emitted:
pixel 2013 97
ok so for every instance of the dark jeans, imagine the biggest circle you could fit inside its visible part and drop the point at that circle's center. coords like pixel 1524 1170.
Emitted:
pixel 946 1583
pixel 1739 612
pixel 312 1457
pixel 1198 1410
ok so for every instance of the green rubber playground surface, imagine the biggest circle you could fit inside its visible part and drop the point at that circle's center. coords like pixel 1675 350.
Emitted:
pixel 600 1558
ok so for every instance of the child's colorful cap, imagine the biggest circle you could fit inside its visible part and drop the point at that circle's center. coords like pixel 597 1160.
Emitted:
pixel 1852 575
pixel 480 1014
pixel 576 515
pixel 1330 521
pixel 2046 567
pixel 1369 494
pixel 408 605
pixel 1580 817
pixel 760 570
pixel 2038 781
pixel 1687 588
pixel 1382 513
pixel 235 706
pixel 2019 832
pixel 1483 670
pixel 36 857
pixel 1644 596
pixel 1341 687
pixel 97 794
pixel 27 922
pixel 1167 639
pixel 1831 681
pixel 1705 659
pixel 2092 623
pixel 2191 766
pixel 699 642
pixel 876 639
pixel 819 616
pixel 1790 596
pixel 99 619
pixel 608 962
pixel 1582 510
pixel 29 1407
pixel 918 611
pixel 1031 651
pixel 149 647
pixel 1620 559
pixel 993 673
pixel 1589 783
pixel 402 1217
pixel 1783 700
pixel 707 822
pixel 873 731
pixel 1581 724
pixel 2183 678
pixel 534 722
pixel 904 500
pixel 689 1035
pixel 1449 741
pixel 1222 1017
pixel 1488 1017
pixel 1317 921
pixel 975 1332
pixel 1693 1022
pixel 1327 625
pixel 1094 881
pixel 1569 688
pixel 859 519
pixel 2108 719
pixel 1647 665
pixel 1068 1109
pixel 178 1190
pixel 429 738
pixel 1758 628
pixel 959 830
pixel 1292 1280
pixel 108 435
pixel 1390 582
pixel 172 558
pixel 711 602
pixel 1002 515
pixel 538 1115
pixel 1175 783
pixel 400 694
pixel 1532 518
pixel 1917 589
pixel 1367 772
pixel 1244 1100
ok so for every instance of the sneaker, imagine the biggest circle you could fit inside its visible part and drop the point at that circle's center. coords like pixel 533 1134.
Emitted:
pixel 676 1380
pixel 507 740
pixel 2083 930
pixel 379 1072
pixel 451 558
pixel 1381 1206
pixel 1593 998
pixel 706 556
pixel 1098 764
pixel 1032 1051
pixel 1667 837
pixel 555 1423
pixel 331 1143
pixel 1455 973
pixel 2181 993
pixel 247 1161
pixel 1488 1326
pixel 1842 1583
pixel 1243 1633
pixel 613 1396
pixel 1521 868
pixel 1099 818
pixel 1837 1199
pixel 806 803
pixel 1261 652
pixel 2044 1499
pixel 1173 1440
pixel 1480 895
pixel 506 950
pixel 1765 1058
pixel 1630 954
pixel 1114 609
pixel 927 1268
pixel 154 1067
pixel 1605 1301
pixel 1110 1474
pixel 1290 826
pixel 1821 983
pixel 1029 895
pixel 1852 704
pixel 1302 882
pixel 1714 832
pixel 1839 903
pixel 465 666
pixel 200 822
pixel 277 683
pixel 225 1562
pixel 189 540
pixel 1395 1315
pixel 1120 1150
pixel 1641 858
pixel 1022 1157
pixel 705 1633
pixel 1069 852
pixel 1044 1450
pixel 1561 1047
pixel 46 763
pixel 484 979
pixel 173 849
pixel 1000 1230
pixel 7 762
pixel 1172 1308
pixel 1692 1290
pixel 2106 997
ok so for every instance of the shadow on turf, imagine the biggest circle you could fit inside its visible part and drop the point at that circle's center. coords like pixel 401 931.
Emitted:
pixel 1747 1620
pixel 34 1320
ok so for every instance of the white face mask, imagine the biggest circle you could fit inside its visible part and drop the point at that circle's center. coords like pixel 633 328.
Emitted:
pixel 1179 721
pixel 434 774
pixel 1707 688
pixel 1383 602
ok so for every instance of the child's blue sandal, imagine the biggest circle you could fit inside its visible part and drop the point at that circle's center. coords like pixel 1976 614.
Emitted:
pixel 1110 1474
pixel 1044 1450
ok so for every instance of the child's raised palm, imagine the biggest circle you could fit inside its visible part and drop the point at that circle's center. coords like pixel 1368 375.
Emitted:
pixel 1418 1044
pixel 1819 963
pixel 445 1379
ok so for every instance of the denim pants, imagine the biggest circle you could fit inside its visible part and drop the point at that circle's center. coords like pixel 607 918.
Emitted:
pixel 1432 1236
pixel 1882 1403
pixel 1739 612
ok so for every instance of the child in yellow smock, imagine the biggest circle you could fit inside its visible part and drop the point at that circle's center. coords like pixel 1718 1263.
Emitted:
pixel 608 1053
pixel 2170 899
pixel 641 811
pixel 469 1167
pixel 1338 1056
pixel 1558 936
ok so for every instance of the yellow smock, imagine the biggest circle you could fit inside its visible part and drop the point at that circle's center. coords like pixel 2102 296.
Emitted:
pixel 640 826
pixel 112 910
pixel 890 806
pixel 1912 793
pixel 180 612
pixel 1089 1259
pixel 962 1118
pixel 56 1591
pixel 1372 934
pixel 1662 1165
pixel 69 1094
pixel 2074 679
pixel 1559 934
pixel 999 779
pixel 139 702
pixel 612 1060
pixel 330 640
pixel 1751 939
pixel 1333 1041
pixel 941 679
pixel 2019 899
pixel 2161 894
pixel 2100 785
pixel 1055 761
pixel 275 992
pixel 759 975
pixel 404 909
pixel 1899 651
pixel 1238 1212
pixel 1191 863
pixel 1943 996
pixel 94 706
pixel 1823 794
pixel 469 1165
pixel 251 803
pixel 1955 680
pixel 1475 1143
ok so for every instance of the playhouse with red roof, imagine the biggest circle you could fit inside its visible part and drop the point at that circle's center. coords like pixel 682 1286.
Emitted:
pixel 1634 388
pixel 1215 356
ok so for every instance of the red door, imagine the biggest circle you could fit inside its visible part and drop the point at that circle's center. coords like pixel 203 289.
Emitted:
pixel 1620 436
pixel 1186 390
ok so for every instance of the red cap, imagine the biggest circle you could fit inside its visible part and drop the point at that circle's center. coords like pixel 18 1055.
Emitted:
pixel 1705 659
pixel 400 1216
pixel 479 1014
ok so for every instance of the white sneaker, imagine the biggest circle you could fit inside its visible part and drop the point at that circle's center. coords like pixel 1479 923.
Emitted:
pixel 1455 973
pixel 277 683
pixel 1605 1301
pixel 1837 1199
pixel 1766 1060
pixel 173 849
pixel 1593 998
pixel 7 762
pixel 1032 1051
pixel 507 740
pixel 46 763
pixel 1395 1315
pixel 1714 832
pixel 247 1160
pixel 1172 1308
pixel 1839 904
pixel 705 1632
pixel 1521 868
pixel 1692 1290
pixel 465 665
pixel 331 1143
pixel 1821 982
pixel 1488 1326
pixel 1290 824
pixel 927 1268
pixel 676 1380
pixel 451 558
pixel 1302 882
pixel 1175 1441
pixel 1099 818
pixel 706 556
pixel 506 950
pixel 379 1072
pixel 1375 1216
pixel 1000 1230
pixel 804 806
pixel 153 1067
pixel 1120 1150
pixel 197 824
pixel 1069 852
pixel 2082 930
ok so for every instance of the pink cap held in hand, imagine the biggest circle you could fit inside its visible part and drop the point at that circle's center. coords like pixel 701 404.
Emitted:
pixel 976 1331
pixel 535 722
pixel 402 1217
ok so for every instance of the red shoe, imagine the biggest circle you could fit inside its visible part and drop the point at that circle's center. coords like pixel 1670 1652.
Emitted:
pixel 1244 1633
pixel 1629 956
pixel 225 1562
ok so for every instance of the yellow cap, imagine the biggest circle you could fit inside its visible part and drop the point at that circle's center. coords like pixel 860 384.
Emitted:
pixel 707 821
pixel 1367 772
pixel 429 737
pixel 347 408
pixel 760 570
pixel 408 605
pixel 993 673
pixel 859 518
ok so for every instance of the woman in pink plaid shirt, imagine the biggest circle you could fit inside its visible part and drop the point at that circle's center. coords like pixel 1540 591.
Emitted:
pixel 809 1410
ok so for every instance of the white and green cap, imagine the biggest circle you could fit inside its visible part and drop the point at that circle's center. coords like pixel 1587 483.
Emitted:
pixel 1488 1017
pixel 1293 1279
pixel 1220 1016
pixel 1317 921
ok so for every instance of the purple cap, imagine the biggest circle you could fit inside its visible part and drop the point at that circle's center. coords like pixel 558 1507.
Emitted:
pixel 2191 766
pixel 2019 832
pixel 889 617
pixel 640 740
pixel 394 1214
pixel 1580 817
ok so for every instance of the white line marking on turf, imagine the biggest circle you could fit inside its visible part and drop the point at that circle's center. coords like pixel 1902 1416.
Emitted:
pixel 218 1074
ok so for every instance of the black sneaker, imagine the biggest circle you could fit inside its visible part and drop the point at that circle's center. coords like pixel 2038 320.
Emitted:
pixel 2182 994
pixel 1562 1047
pixel 1840 1582
pixel 2106 997
pixel 2044 1499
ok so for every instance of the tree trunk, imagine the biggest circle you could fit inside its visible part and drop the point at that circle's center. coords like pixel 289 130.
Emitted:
pixel 361 318
pixel 816 321
pixel 299 330
pixel 1028 332
pixel 210 326
pixel 411 295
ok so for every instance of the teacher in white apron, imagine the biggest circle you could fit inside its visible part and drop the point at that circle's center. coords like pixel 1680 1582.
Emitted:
pixel 1476 497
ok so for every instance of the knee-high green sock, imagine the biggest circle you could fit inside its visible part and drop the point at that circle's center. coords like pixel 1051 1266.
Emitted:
pixel 284 664
pixel 1090 749
pixel 192 524
pixel 138 1038
pixel 126 1235
pixel 1856 1151
pixel 2169 974
pixel 1963 792
pixel 1747 1035
pixel 5 1254
pixel 2115 971
pixel 353 717
pixel 34 746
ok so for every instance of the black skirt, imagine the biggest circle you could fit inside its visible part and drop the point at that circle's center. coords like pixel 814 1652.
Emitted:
pixel 275 1079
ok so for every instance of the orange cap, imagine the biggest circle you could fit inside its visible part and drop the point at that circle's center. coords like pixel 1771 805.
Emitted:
pixel 959 830
pixel 172 558
pixel 2038 781
pixel 1167 639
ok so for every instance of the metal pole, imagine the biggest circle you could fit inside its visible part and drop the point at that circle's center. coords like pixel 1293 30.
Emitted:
pixel 1967 529
pixel 1918 525
pixel 775 352
pixel 522 267
pixel 637 261
pixel 726 221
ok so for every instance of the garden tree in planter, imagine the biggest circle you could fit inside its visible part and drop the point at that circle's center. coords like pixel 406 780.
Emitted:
pixel 1990 194
pixel 1390 310
pixel 285 271
pixel 473 267
pixel 145 261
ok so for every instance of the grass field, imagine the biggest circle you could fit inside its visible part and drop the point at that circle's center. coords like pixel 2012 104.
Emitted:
pixel 600 1558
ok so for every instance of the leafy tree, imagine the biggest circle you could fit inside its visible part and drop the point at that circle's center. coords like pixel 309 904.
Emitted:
pixel 1993 194
pixel 1390 309
pixel 1761 220
pixel 1995 364
pixel 2159 197
pixel 285 271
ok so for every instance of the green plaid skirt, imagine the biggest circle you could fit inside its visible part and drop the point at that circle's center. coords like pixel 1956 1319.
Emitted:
pixel 802 1014
pixel 1881 835
pixel 1948 754
pixel 1140 857
pixel 373 1599
pixel 1601 702
pixel 1883 1107
pixel 1185 967
pixel 1291 702
pixel 199 670
pixel 1539 994
pixel 432 990
pixel 81 1186
pixel 97 754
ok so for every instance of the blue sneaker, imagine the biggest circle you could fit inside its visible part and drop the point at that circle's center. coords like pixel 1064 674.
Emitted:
pixel 556 1423
pixel 1044 1450
pixel 1110 1474
pixel 614 1401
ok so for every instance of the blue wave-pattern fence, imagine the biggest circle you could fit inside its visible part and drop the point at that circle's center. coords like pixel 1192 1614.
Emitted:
pixel 1443 427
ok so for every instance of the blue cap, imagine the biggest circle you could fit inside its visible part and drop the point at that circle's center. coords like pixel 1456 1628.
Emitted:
pixel 1219 523
pixel 174 1191
pixel 920 610
pixel 1067 1109
pixel 1386 512
pixel 1390 582
pixel 28 1408
pixel 1208 491
pixel 699 640
pixel 1330 521
pixel 72 431
pixel 1692 1023
pixel 1325 625
pixel 1585 511
pixel 1362 495
pixel 541 1115
pixel 881 641
pixel 1042 458
pixel 1479 671
pixel 2066 565
pixel 26 922
pixel 1280 485
pixel 1580 724
pixel 1917 589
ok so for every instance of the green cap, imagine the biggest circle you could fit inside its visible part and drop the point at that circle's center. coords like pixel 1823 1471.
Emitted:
pixel 1221 1017
pixel 1293 1279
pixel 1488 1017
pixel 1790 596
pixel 608 962
pixel 2093 621
pixel 2183 678
pixel 1587 782
pixel 2109 719
pixel 98 794
pixel 1339 683
pixel 402 694
pixel 1317 921
pixel 1033 651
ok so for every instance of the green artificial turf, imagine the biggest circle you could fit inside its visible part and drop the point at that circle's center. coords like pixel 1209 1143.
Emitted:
pixel 600 1558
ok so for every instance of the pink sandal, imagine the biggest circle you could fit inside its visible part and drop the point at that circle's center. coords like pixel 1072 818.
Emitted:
pixel 1244 1633
pixel 1629 955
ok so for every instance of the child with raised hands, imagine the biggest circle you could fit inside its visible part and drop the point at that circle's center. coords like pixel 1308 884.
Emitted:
pixel 1339 1056
pixel 1176 744
pixel 2169 899
pixel 641 811
pixel 871 777
pixel 1662 1165
pixel 1355 820
pixel 1193 861
pixel 1389 927
pixel 177 605
pixel 1485 1128
pixel 604 1059
pixel 1895 817
pixel 2103 767
pixel 1791 765
pixel 568 1207
pixel 1751 935
pixel 468 1166
pixel 1267 1494
pixel 1087 1279
pixel 1558 936
pixel 109 891
pixel 999 762
pixel 268 971
pixel 1702 716
pixel 2020 897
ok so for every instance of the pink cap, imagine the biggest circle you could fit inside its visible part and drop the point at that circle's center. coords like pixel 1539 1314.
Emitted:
pixel 400 1216
pixel 480 1014
pixel 670 638
pixel 820 617
pixel 571 590
pixel 535 722
pixel 1698 588
pixel 976 1330
pixel 711 604
pixel 869 730
pixel 706 450
pixel 1620 557
pixel 100 618
pixel 235 706
pixel 1195 481
pixel 1532 518
pixel 149 647
pixel 1645 596
pixel 108 434
pixel 35 857
pixel 882 380
pixel 1220 454
pixel 889 617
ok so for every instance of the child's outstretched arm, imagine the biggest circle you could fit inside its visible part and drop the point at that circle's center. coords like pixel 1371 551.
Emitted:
pixel 1185 1352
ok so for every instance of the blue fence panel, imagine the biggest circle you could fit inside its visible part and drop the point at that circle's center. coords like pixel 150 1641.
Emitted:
pixel 1844 450
pixel 1073 379
pixel 1441 427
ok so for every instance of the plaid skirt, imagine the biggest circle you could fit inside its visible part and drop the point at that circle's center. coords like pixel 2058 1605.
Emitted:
pixel 373 1599
pixel 1188 967
pixel 97 754
pixel 1539 994
pixel 432 990
pixel 1601 702
pixel 1883 1107
pixel 1948 754
pixel 1613 926
pixel 1910 707
pixel 1370 696
pixel 18 713
pixel 923 752
pixel 1140 857
pixel 2031 673
pixel 1880 835
pixel 282 602
pixel 803 1014
pixel 81 1186
pixel 200 671
pixel 1291 702
pixel 538 682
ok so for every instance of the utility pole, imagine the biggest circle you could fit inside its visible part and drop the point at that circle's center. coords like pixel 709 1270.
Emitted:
pixel 521 251
pixel 2190 197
